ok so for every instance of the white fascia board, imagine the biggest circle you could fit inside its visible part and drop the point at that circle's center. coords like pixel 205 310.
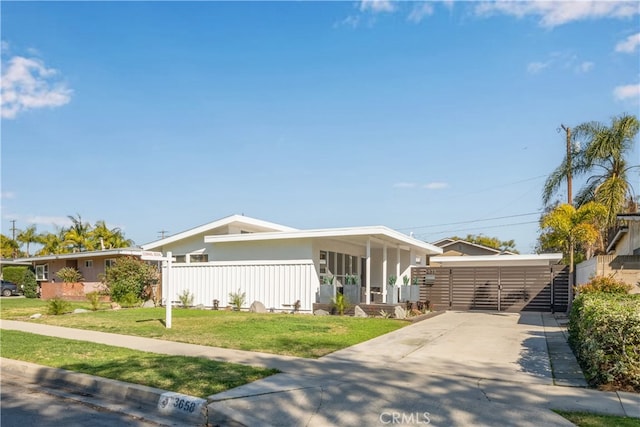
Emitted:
pixel 213 225
pixel 89 254
pixel 498 259
pixel 378 232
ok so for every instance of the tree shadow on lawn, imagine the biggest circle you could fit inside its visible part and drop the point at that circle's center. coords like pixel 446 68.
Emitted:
pixel 162 322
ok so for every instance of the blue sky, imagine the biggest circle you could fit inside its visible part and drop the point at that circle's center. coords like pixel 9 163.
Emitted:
pixel 427 117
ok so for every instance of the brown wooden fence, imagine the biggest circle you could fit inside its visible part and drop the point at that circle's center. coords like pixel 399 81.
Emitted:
pixel 512 289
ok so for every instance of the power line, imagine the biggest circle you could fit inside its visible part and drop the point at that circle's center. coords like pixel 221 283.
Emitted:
pixel 485 227
pixel 472 221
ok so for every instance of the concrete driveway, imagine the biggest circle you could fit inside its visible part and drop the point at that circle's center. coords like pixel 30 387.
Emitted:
pixel 459 368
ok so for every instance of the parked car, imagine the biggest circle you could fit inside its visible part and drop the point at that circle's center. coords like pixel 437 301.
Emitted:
pixel 10 288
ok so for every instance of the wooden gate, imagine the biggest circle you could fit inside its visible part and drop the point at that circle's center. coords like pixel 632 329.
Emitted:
pixel 512 289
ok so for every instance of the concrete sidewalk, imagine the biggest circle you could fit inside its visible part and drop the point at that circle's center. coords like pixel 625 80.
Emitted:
pixel 453 369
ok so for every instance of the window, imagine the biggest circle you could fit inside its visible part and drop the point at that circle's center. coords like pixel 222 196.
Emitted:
pixel 199 258
pixel 108 263
pixel 42 272
pixel 181 258
pixel 88 263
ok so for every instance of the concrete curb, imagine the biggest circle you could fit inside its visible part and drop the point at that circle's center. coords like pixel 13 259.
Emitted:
pixel 169 407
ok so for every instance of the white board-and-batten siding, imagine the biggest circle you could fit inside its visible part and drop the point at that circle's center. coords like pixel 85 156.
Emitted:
pixel 273 283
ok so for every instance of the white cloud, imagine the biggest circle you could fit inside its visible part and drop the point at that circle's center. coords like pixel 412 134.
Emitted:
pixel 4 46
pixel 377 6
pixel 7 195
pixel 59 221
pixel 555 13
pixel 629 44
pixel 28 84
pixel 436 185
pixel 585 67
pixel 350 21
pixel 404 185
pixel 627 92
pixel 419 11
pixel 536 67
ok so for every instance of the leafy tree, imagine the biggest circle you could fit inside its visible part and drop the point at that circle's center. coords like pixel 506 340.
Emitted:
pixel 603 159
pixel 129 280
pixel 77 236
pixel 565 227
pixel 9 247
pixel 491 242
pixel 52 243
pixel 27 236
pixel 102 236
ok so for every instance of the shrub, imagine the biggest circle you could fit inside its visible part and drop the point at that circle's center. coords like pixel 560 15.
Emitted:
pixel 129 281
pixel 604 284
pixel 58 306
pixel 29 284
pixel 69 275
pixel 186 298
pixel 94 299
pixel 604 332
pixel 237 299
pixel 340 304
pixel 14 274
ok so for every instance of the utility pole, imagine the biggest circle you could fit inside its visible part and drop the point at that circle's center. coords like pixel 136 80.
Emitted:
pixel 567 131
pixel 13 230
pixel 162 233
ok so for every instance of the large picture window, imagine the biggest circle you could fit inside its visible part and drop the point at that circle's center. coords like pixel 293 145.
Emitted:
pixel 199 258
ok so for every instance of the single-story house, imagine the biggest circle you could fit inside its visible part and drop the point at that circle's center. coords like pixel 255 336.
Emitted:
pixel 279 265
pixel 622 260
pixel 457 247
pixel 91 265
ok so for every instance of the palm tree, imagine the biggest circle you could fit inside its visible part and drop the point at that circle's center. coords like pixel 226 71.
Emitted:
pixel 77 236
pixel 28 236
pixel 102 236
pixel 52 243
pixel 567 227
pixel 603 157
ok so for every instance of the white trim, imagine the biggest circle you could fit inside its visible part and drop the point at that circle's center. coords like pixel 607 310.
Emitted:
pixel 545 259
pixel 247 262
pixel 217 224
pixel 375 233
pixel 88 254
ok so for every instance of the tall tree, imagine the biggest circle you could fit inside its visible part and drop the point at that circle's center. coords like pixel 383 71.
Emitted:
pixel 8 246
pixel 568 227
pixel 491 242
pixel 77 236
pixel 27 236
pixel 603 159
pixel 52 243
pixel 102 236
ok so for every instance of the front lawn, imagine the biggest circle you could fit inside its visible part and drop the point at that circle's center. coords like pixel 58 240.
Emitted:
pixel 294 335
pixel 586 419
pixel 189 375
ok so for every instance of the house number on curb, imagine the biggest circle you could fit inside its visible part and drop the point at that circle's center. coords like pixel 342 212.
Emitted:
pixel 175 404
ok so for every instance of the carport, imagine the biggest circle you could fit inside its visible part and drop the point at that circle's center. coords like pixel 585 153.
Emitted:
pixel 510 283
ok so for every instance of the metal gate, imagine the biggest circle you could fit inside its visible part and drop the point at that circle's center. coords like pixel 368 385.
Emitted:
pixel 512 289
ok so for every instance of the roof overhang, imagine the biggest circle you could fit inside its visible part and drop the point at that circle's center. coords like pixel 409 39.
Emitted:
pixel 239 219
pixel 88 254
pixel 629 216
pixel 378 235
pixel 497 260
pixel 619 233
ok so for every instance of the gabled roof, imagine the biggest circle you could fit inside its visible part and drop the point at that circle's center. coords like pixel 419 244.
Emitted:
pixel 443 243
pixel 379 235
pixel 233 219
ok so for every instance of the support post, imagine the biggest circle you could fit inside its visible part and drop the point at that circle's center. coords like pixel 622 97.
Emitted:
pixel 168 289
pixel 367 290
pixel 384 272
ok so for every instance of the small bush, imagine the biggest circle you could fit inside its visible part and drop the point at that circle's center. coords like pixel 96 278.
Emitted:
pixel 340 304
pixel 58 306
pixel 604 284
pixel 604 332
pixel 129 281
pixel 94 299
pixel 69 275
pixel 186 298
pixel 237 299
pixel 29 284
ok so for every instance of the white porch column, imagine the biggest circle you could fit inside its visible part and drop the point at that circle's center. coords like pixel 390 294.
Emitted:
pixel 398 265
pixel 367 298
pixel 384 272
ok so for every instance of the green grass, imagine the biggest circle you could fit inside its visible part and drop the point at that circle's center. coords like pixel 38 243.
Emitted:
pixel 188 375
pixel 586 419
pixel 294 335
